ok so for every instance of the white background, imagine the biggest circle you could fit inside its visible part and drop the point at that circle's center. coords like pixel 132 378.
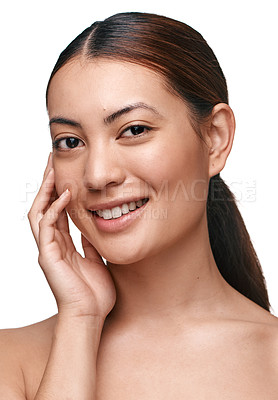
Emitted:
pixel 243 34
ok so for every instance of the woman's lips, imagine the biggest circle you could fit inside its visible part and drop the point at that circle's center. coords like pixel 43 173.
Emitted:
pixel 108 223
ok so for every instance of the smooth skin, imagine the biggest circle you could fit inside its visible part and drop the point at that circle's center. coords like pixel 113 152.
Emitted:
pixel 159 321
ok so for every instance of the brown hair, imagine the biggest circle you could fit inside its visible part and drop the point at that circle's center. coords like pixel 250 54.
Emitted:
pixel 182 56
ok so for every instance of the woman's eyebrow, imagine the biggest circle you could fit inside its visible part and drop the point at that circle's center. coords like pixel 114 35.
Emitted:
pixel 117 114
pixel 107 120
pixel 64 121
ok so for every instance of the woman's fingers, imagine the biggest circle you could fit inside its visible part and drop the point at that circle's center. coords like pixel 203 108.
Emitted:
pixel 62 226
pixel 47 186
pixel 41 203
pixel 49 165
pixel 62 222
pixel 48 221
pixel 47 217
pixel 45 193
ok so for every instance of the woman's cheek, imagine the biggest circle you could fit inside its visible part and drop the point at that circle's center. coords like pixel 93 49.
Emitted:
pixel 67 180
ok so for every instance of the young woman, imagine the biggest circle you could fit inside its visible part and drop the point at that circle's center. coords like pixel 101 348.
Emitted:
pixel 141 128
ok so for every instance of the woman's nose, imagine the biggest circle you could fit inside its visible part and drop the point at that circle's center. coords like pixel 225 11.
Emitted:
pixel 102 169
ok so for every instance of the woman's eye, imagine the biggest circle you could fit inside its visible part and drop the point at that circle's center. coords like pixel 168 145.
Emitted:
pixel 135 130
pixel 67 143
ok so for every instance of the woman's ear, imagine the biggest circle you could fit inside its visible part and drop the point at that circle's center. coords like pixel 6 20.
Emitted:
pixel 220 136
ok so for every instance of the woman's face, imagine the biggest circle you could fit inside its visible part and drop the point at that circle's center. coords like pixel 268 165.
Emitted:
pixel 120 137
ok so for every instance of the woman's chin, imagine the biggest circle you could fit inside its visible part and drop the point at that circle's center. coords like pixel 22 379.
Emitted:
pixel 121 259
pixel 122 256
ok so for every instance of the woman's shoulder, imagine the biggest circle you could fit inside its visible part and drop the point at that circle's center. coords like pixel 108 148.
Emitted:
pixel 252 318
pixel 261 338
pixel 262 327
pixel 23 355
pixel 17 343
pixel 257 332
pixel 29 335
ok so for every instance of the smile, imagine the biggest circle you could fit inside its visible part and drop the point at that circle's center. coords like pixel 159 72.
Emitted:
pixel 117 212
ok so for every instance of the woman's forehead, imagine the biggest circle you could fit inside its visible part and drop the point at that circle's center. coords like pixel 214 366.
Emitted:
pixel 108 84
pixel 101 71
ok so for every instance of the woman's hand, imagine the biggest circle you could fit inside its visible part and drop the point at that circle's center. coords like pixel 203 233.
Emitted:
pixel 82 286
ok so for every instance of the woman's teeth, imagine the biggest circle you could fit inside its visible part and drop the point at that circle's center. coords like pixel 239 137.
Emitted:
pixel 117 212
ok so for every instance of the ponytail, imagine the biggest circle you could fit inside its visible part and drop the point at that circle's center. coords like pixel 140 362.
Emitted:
pixel 231 245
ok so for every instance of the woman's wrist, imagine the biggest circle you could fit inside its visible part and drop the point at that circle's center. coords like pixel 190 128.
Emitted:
pixel 73 321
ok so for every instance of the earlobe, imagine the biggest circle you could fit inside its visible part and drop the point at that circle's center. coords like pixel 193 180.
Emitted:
pixel 221 135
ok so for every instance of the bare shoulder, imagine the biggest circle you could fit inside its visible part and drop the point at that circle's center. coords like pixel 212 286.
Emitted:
pixel 23 355
pixel 265 345
pixel 268 334
pixel 260 331
pixel 20 339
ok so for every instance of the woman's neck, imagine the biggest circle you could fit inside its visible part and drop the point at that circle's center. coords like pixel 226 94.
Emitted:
pixel 181 280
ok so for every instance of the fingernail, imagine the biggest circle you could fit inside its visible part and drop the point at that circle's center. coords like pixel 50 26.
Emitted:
pixel 65 193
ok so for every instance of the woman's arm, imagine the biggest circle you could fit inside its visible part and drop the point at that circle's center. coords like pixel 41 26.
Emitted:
pixel 70 373
pixel 84 292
